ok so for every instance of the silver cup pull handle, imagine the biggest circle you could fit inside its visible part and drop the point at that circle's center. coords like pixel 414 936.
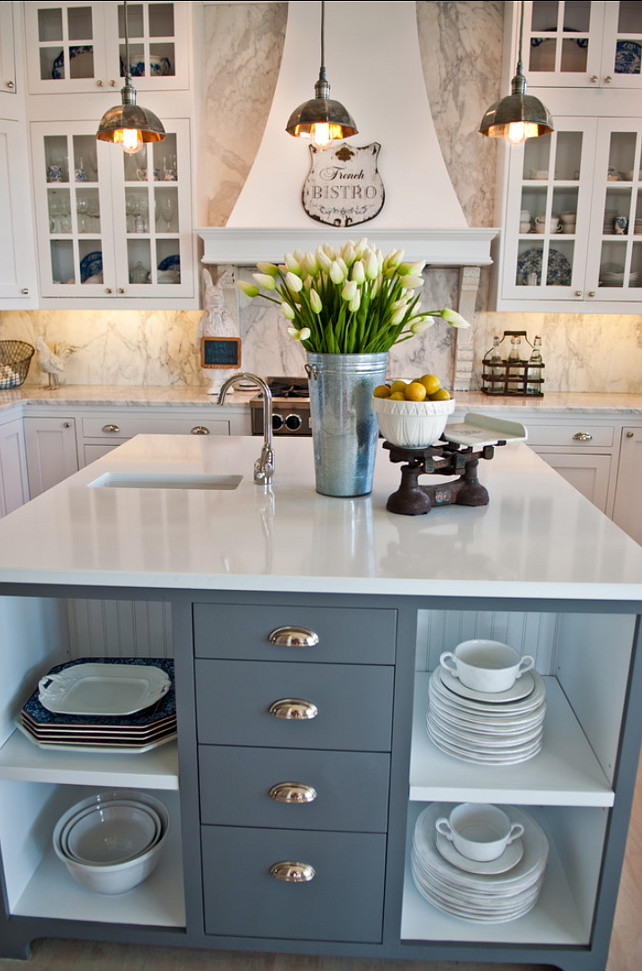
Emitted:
pixel 292 871
pixel 294 709
pixel 292 793
pixel 293 636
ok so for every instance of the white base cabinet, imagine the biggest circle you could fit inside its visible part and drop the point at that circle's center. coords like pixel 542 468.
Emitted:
pixel 627 511
pixel 51 452
pixel 13 471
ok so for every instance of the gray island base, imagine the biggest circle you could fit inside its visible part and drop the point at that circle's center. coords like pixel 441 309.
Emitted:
pixel 211 577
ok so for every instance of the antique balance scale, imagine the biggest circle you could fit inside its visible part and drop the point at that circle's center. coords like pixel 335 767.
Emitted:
pixel 457 453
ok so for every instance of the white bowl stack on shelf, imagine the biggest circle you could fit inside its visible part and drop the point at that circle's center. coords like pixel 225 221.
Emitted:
pixel 112 841
pixel 481 712
pixel 484 892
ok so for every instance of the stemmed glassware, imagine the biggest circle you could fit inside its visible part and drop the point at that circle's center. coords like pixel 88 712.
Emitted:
pixel 168 210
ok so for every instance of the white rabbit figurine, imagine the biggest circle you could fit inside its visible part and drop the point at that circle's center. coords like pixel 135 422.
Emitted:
pixel 215 322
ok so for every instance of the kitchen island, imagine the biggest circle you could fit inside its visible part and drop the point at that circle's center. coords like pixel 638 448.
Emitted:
pixel 178 521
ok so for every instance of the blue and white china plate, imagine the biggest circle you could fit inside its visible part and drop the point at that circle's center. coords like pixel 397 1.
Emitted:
pixel 91 265
pixel 58 70
pixel 628 57
pixel 158 67
pixel 103 689
pixel 559 268
pixel 170 263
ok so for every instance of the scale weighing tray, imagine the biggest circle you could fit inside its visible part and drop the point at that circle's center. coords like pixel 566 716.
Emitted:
pixel 478 430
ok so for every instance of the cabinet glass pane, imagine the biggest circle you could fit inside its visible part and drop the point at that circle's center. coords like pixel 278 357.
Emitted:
pixel 537 155
pixel 544 263
pixel 85 162
pixel 630 17
pixel 551 47
pixel 635 277
pixel 79 23
pixel 50 25
pixel 62 261
pixel 144 22
pixel 135 20
pixel 161 20
pixel 87 211
pixel 59 209
pixel 165 159
pixel 168 263
pixel 568 156
pixel 90 261
pixel 56 158
pixel 137 210
pixel 577 15
pixel 166 202
pixel 621 155
pixel 81 62
pixel 139 261
pixel 613 264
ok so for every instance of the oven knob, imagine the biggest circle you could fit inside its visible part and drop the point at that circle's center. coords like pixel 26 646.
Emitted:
pixel 293 422
pixel 277 422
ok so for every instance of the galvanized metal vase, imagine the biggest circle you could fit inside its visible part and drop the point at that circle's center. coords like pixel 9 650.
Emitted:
pixel 344 426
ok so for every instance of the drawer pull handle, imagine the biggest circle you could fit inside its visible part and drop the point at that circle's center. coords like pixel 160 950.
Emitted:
pixel 293 637
pixel 293 708
pixel 292 792
pixel 582 437
pixel 200 430
pixel 112 429
pixel 291 871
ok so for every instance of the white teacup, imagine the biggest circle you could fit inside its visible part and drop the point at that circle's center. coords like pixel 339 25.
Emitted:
pixel 479 831
pixel 486 665
pixel 525 227
pixel 569 217
pixel 542 223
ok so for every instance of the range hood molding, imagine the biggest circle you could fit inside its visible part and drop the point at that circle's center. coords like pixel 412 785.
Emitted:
pixel 244 246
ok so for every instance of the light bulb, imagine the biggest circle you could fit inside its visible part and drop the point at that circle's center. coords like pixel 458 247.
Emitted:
pixel 131 140
pixel 519 131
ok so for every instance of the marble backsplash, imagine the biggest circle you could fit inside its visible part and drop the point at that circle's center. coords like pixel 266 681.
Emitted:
pixel 461 46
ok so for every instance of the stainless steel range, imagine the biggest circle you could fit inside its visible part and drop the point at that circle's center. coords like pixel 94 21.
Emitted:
pixel 290 407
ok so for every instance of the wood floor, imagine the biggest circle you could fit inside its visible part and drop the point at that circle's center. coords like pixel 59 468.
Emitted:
pixel 62 955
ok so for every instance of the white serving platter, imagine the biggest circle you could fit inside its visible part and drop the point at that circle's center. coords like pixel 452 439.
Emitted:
pixel 103 689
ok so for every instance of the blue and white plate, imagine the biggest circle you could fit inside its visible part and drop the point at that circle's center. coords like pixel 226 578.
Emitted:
pixel 91 265
pixel 559 268
pixel 170 263
pixel 157 67
pixel 87 53
pixel 628 57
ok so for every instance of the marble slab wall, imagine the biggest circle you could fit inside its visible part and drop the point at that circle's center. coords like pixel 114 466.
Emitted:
pixel 461 47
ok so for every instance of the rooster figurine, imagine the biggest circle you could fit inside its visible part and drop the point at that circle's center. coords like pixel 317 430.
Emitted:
pixel 52 362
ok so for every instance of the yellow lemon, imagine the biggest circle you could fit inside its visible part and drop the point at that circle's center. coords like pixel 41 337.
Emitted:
pixel 398 386
pixel 415 391
pixel 381 391
pixel 431 383
pixel 440 395
pixel 397 396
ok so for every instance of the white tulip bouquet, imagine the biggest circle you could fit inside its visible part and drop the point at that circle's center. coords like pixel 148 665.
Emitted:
pixel 352 301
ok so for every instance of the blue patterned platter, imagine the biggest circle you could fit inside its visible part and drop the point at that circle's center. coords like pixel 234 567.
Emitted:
pixel 158 67
pixel 628 57
pixel 86 53
pixel 170 263
pixel 559 268
pixel 91 265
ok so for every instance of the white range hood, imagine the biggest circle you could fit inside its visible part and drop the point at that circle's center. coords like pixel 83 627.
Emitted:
pixel 374 67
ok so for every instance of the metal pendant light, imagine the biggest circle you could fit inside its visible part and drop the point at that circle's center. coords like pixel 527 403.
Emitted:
pixel 519 115
pixel 128 124
pixel 321 120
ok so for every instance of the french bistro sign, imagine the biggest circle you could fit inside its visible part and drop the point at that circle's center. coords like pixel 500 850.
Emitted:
pixel 343 186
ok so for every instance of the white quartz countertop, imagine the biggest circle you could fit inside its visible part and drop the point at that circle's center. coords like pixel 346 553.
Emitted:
pixel 538 537
pixel 105 396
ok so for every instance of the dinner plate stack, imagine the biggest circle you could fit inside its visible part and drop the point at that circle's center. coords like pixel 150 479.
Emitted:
pixel 484 893
pixel 124 705
pixel 487 728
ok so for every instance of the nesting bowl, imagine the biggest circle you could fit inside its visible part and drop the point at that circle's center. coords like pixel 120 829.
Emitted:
pixel 112 841
pixel 412 424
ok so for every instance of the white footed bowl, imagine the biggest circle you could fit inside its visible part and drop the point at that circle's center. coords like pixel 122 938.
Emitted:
pixel 412 424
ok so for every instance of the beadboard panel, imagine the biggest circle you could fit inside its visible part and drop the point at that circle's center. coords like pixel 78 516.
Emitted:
pixel 119 628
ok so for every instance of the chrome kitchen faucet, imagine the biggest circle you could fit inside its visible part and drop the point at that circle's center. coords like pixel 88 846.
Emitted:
pixel 264 465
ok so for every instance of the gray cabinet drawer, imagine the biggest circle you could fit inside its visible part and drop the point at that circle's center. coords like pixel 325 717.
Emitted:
pixel 351 788
pixel 577 433
pixel 345 634
pixel 354 703
pixel 343 901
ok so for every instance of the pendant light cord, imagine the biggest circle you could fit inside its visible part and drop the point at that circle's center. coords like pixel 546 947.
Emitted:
pixel 127 72
pixel 322 74
pixel 520 65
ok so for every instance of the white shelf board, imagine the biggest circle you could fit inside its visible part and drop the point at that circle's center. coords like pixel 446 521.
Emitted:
pixel 22 760
pixel 565 773
pixel 159 901
pixel 554 920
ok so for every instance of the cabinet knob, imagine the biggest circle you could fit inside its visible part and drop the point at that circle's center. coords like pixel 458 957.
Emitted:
pixel 200 430
pixel 578 293
pixel 11 85
pixel 112 84
pixel 24 291
pixel 582 437
pixel 594 79
pixel 608 79
pixel 99 83
pixel 591 293
pixel 630 434
pixel 293 637
pixel 66 424
pixel 291 871
pixel 293 708
pixel 121 289
pixel 108 290
pixel 292 792
pixel 112 429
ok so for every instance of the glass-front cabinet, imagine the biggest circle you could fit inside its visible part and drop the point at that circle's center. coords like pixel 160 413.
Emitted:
pixel 74 46
pixel 573 226
pixel 583 43
pixel 112 224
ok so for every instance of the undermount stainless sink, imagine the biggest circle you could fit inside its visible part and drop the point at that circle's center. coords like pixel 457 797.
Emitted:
pixel 163 480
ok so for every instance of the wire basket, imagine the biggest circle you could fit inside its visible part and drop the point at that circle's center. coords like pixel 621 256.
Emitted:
pixel 15 358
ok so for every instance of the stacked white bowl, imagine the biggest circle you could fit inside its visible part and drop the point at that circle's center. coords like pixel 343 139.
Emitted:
pixel 112 841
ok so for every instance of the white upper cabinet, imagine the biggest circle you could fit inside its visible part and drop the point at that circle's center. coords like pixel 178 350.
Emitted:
pixel 583 43
pixel 75 47
pixel 572 237
pixel 112 225
pixel 8 83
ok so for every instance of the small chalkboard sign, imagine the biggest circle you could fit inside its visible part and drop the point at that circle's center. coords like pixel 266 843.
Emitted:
pixel 224 352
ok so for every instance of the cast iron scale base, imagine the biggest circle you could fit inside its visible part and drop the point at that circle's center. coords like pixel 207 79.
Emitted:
pixel 457 454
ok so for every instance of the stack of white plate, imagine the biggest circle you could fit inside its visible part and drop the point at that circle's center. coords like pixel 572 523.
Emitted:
pixel 494 728
pixel 484 893
pixel 112 841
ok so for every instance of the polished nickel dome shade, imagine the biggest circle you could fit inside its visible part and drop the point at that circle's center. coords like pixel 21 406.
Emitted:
pixel 128 124
pixel 321 119
pixel 518 116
